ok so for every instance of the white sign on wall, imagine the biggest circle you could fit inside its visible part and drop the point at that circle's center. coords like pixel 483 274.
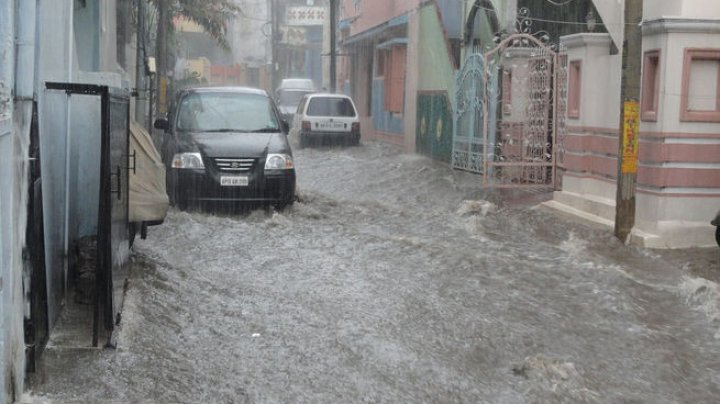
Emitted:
pixel 293 35
pixel 306 15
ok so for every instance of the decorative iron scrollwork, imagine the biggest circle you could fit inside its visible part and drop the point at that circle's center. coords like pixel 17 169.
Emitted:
pixel 523 25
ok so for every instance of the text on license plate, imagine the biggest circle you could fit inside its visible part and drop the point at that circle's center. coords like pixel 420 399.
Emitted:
pixel 234 181
pixel 331 125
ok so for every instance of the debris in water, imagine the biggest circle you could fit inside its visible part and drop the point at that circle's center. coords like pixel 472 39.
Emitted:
pixel 482 208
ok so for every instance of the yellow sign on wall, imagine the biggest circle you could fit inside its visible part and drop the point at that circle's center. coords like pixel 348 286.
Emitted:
pixel 630 139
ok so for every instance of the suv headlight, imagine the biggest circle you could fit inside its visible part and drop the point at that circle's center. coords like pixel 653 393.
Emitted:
pixel 188 160
pixel 278 162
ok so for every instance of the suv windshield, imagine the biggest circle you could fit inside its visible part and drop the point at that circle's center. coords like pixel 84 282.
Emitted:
pixel 331 106
pixel 226 112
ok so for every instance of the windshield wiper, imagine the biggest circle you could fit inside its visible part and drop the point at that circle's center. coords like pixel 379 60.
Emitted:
pixel 222 130
pixel 264 130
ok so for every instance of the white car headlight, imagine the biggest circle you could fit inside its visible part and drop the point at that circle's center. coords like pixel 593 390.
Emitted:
pixel 278 162
pixel 188 160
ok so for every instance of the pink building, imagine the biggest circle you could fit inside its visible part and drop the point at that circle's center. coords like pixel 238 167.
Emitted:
pixel 375 38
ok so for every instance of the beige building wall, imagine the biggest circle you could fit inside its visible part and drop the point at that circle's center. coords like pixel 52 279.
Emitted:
pixel 678 189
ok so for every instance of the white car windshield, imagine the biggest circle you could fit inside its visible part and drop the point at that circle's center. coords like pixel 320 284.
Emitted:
pixel 226 112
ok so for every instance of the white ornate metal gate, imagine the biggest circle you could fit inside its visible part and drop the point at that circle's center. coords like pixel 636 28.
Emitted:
pixel 510 119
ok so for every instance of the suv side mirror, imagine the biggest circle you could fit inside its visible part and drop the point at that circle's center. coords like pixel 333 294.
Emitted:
pixel 285 126
pixel 162 123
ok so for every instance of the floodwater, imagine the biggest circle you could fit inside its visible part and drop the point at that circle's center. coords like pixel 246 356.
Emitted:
pixel 395 279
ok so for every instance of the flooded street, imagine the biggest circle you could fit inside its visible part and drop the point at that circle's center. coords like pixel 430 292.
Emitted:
pixel 395 279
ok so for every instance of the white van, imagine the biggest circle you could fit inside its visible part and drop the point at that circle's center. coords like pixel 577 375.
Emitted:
pixel 324 116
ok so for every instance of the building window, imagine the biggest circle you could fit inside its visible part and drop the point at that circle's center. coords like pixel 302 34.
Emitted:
pixel 700 96
pixel 650 83
pixel 395 79
pixel 574 88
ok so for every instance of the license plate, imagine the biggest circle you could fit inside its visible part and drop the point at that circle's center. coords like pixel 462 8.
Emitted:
pixel 234 181
pixel 331 125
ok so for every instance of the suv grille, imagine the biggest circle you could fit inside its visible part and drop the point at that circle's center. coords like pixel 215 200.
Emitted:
pixel 235 165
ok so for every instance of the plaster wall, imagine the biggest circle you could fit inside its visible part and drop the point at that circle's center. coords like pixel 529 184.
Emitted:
pixel 433 99
pixel 435 67
pixel 600 80
pixel 672 47
pixel 677 179
pixel 412 79
pixel 679 8
pixel 367 14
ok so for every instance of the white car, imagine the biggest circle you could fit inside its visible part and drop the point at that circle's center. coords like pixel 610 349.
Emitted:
pixel 326 117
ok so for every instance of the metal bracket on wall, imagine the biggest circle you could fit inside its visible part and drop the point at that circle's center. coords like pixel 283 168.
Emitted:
pixel 133 156
pixel 118 176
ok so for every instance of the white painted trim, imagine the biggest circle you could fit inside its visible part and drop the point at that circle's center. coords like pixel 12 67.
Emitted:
pixel 687 165
pixel 674 140
pixel 680 191
pixel 586 39
pixel 680 25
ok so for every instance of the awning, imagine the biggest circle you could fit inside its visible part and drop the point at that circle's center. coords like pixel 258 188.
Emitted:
pixel 378 29
pixel 392 42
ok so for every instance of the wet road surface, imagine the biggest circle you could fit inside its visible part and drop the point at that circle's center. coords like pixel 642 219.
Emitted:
pixel 395 279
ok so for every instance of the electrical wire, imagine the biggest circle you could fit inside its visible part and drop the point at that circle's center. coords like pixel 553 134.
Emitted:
pixel 557 21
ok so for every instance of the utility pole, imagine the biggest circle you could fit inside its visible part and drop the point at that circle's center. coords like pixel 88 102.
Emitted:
pixel 140 83
pixel 629 120
pixel 275 13
pixel 162 28
pixel 333 45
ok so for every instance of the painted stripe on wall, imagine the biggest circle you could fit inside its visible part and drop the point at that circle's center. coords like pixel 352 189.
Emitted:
pixel 597 144
pixel 593 164
pixel 678 177
pixel 653 152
